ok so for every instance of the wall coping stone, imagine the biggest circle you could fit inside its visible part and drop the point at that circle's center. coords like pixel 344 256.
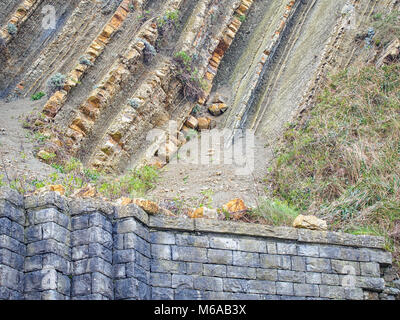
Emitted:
pixel 77 206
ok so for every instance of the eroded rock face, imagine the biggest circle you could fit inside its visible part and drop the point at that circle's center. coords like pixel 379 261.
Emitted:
pixel 310 222
pixel 391 54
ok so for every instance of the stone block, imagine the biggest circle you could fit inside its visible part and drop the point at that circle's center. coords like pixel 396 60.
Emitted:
pixel 235 285
pixel 162 294
pixel 166 266
pixel 306 290
pixel 246 259
pixel 291 276
pixel 187 239
pixel 102 285
pixel 241 272
pixel 308 250
pixel 214 270
pixel 267 274
pixel 189 254
pixel 208 283
pixel 252 245
pixel 270 261
pixel 262 286
pixel 286 248
pixel 81 285
pixel 161 237
pixel 318 265
pixel 223 243
pixel 217 256
pixel 285 288
pixel 161 251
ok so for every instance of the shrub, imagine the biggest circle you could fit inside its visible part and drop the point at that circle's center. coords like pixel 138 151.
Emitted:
pixel 135 183
pixel 73 165
pixel 274 212
pixel 187 73
pixel 56 82
pixel 12 29
pixel 167 25
pixel 38 96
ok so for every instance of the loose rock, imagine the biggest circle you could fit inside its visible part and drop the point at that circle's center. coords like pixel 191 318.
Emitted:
pixel 310 222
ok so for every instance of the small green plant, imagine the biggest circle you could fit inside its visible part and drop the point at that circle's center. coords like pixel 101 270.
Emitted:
pixel 73 165
pixel 58 167
pixel 184 57
pixel 135 183
pixel 46 156
pixel 2 184
pixel 38 184
pixel 91 174
pixel 38 96
pixel 12 29
pixel 40 137
pixel 274 212
pixel 207 198
pixel 169 17
pixel 187 73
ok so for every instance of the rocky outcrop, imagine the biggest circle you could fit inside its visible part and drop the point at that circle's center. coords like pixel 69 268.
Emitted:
pixel 56 101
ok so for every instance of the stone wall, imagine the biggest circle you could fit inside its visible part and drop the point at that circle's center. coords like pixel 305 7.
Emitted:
pixel 52 247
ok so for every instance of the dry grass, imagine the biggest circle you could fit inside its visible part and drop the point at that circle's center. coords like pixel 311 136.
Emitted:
pixel 343 162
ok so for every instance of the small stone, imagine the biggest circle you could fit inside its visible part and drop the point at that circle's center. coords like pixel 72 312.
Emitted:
pixel 124 201
pixel 55 188
pixel 236 208
pixel 217 109
pixel 203 213
pixel 192 122
pixel 149 206
pixel 44 155
pixel 157 162
pixel 86 192
pixel 204 123
pixel 310 222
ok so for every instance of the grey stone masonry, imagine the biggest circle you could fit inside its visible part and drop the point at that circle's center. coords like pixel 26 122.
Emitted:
pixel 55 248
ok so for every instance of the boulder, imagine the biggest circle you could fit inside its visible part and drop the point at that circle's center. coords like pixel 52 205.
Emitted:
pixel 148 206
pixel 310 222
pixel 235 206
pixel 217 109
pixel 192 122
pixel 203 212
pixel 86 192
pixel 204 123
pixel 55 188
